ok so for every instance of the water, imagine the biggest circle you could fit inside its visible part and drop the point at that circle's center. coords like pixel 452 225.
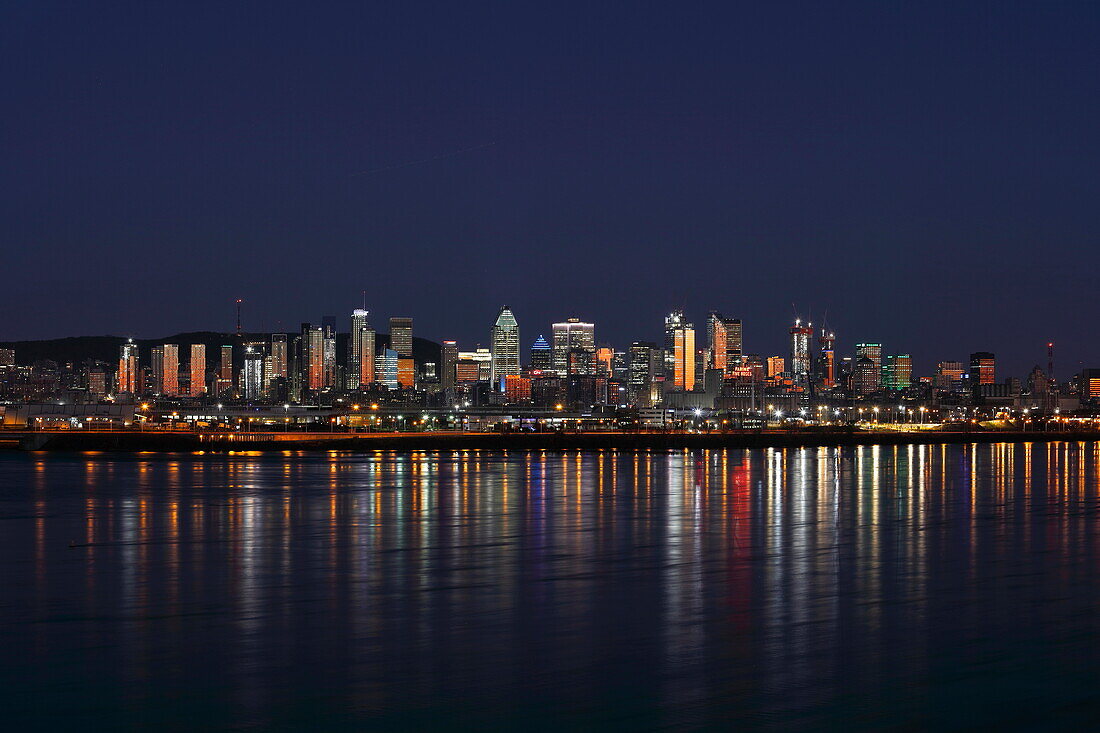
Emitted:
pixel 911 587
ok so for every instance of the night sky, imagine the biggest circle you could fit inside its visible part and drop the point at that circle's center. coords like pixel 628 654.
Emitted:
pixel 925 173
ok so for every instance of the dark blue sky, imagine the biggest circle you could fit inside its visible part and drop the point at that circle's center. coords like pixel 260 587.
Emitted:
pixel 926 173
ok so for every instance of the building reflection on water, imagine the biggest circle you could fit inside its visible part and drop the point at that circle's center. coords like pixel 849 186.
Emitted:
pixel 791 586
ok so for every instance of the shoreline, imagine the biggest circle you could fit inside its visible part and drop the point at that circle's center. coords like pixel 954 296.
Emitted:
pixel 130 442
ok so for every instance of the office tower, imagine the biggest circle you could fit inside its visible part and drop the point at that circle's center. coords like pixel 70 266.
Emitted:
pixel 156 367
pixel 360 350
pixel 683 362
pixel 865 378
pixel 1090 384
pixel 723 341
pixel 776 366
pixel 225 370
pixel 385 369
pixel 279 356
pixel 949 376
pixel 541 358
pixel 97 383
pixel 252 375
pixel 171 372
pixel 800 354
pixel 826 364
pixel 328 352
pixel 401 337
pixel 872 351
pixel 448 358
pixel 504 346
pixel 673 320
pixel 406 372
pixel 198 370
pixel 516 388
pixel 570 335
pixel 128 368
pixel 483 358
pixel 156 364
pixel 897 371
pixel 983 369
pixel 605 355
pixel 644 365
pixel 313 357
pixel 467 371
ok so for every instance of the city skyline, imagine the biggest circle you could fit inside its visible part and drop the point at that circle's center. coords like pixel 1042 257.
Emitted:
pixel 912 171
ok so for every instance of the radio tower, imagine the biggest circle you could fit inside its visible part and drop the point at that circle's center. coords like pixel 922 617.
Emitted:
pixel 239 301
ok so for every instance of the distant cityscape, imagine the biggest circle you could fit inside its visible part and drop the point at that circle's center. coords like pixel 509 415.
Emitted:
pixel 561 372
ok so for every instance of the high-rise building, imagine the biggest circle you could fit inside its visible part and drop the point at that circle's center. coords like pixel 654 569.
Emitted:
pixel 516 388
pixel 826 361
pixel 328 353
pixel 171 370
pixel 673 320
pixel 313 357
pixel 448 359
pixel 983 369
pixel 156 366
pixel 360 350
pixel 198 370
pixel 128 381
pixel 225 370
pixel 723 341
pixel 401 337
pixel 385 369
pixel 571 335
pixel 252 373
pixel 406 372
pixel 865 377
pixel 279 356
pixel 541 358
pixel 897 371
pixel 683 361
pixel 605 357
pixel 872 351
pixel 504 346
pixel 7 357
pixel 776 366
pixel 800 354
pixel 646 364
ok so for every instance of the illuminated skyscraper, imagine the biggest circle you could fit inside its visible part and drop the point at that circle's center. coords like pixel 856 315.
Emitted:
pixel 171 371
pixel 225 370
pixel 800 354
pixel 401 337
pixel 385 369
pixel 673 320
pixel 328 353
pixel 360 350
pixel 865 377
pixel 683 361
pixel 983 369
pixel 448 360
pixel 872 351
pixel 897 371
pixel 252 375
pixel 776 366
pixel 541 358
pixel 826 363
pixel 279 356
pixel 573 334
pixel 156 366
pixel 504 345
pixel 198 369
pixel 128 368
pixel 723 341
